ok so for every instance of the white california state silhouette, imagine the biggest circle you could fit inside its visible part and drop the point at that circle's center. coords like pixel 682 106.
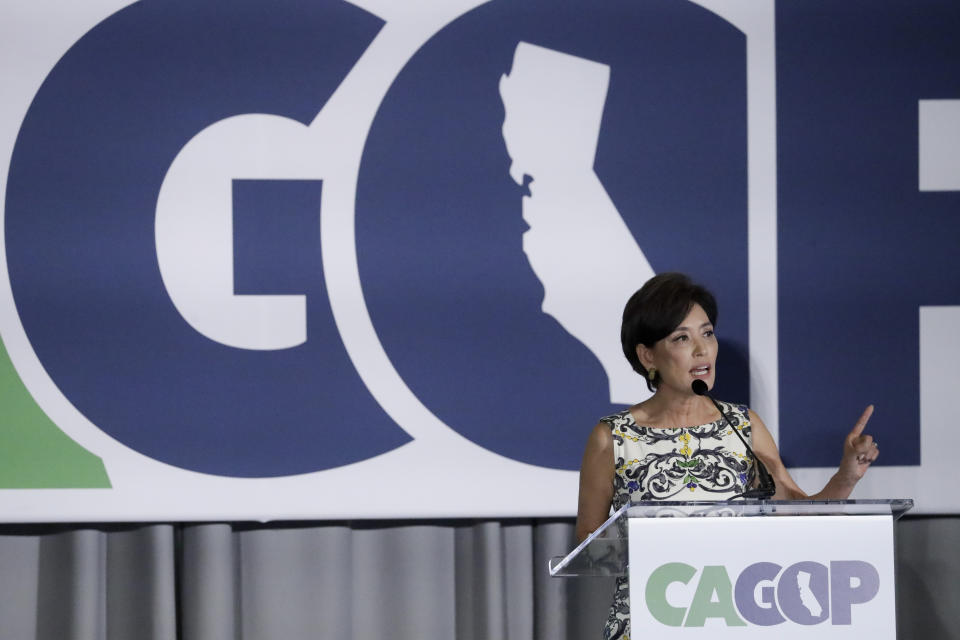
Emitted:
pixel 807 597
pixel 578 244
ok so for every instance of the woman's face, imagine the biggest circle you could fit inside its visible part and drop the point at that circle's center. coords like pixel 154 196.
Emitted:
pixel 687 354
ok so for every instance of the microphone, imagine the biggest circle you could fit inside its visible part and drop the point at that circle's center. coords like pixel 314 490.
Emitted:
pixel 767 486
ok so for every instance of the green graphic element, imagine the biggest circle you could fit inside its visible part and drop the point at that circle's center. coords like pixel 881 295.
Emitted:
pixel 656 592
pixel 713 599
pixel 34 452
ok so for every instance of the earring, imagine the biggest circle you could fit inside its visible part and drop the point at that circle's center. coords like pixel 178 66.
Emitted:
pixel 651 374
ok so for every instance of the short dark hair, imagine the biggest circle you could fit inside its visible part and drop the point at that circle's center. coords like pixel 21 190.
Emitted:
pixel 653 312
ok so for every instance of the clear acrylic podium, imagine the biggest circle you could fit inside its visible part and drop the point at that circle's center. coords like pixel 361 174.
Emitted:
pixel 806 568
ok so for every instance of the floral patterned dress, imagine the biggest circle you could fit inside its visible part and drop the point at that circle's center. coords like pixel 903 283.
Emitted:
pixel 707 462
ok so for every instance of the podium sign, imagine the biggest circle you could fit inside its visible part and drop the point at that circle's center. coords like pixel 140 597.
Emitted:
pixel 798 576
pixel 796 569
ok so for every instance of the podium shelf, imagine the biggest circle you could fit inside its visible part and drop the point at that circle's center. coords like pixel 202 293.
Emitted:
pixel 605 551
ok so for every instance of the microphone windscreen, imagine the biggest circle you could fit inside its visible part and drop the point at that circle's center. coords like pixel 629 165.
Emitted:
pixel 699 387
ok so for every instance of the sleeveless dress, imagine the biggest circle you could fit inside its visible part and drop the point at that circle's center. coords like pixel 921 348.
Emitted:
pixel 707 462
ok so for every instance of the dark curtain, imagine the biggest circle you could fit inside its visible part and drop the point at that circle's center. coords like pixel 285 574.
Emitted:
pixel 398 580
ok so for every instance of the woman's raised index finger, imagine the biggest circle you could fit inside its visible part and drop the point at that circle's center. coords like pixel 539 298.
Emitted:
pixel 862 422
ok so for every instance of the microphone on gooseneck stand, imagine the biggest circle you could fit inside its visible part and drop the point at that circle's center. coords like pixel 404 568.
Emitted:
pixel 767 486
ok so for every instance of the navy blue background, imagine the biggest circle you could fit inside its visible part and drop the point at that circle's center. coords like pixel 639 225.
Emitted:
pixel 439 224
pixel 860 247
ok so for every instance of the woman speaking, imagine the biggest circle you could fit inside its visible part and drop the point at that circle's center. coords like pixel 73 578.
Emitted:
pixel 676 445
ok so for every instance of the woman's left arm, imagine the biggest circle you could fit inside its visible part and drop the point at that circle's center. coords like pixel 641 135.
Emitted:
pixel 859 451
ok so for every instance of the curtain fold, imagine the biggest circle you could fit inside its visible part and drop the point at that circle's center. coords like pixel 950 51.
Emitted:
pixel 209 583
pixel 928 577
pixel 71 586
pixel 468 580
pixel 141 576
pixel 19 563
pixel 295 581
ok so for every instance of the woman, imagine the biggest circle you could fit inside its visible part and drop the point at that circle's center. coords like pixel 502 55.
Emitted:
pixel 675 445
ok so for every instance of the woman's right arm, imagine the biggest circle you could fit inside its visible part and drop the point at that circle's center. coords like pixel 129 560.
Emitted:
pixel 596 482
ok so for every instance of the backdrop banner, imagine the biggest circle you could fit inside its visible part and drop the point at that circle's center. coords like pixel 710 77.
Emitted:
pixel 326 259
